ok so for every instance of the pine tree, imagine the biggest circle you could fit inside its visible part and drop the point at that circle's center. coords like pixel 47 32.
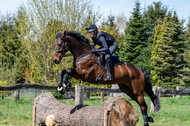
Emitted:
pixel 154 15
pixel 167 53
pixel 186 77
pixel 178 44
pixel 135 36
pixel 156 55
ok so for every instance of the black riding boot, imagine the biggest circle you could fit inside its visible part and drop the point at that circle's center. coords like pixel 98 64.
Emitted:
pixel 109 70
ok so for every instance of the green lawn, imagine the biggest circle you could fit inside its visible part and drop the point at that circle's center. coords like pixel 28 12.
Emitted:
pixel 174 111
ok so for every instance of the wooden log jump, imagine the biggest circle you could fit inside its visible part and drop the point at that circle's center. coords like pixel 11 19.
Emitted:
pixel 115 111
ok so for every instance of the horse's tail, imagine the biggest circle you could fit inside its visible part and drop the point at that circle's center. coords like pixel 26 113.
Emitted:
pixel 148 90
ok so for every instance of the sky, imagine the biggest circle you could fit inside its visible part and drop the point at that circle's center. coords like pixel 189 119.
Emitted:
pixel 115 7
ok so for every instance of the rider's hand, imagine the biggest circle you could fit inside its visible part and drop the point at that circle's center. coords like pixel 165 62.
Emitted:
pixel 93 45
pixel 93 50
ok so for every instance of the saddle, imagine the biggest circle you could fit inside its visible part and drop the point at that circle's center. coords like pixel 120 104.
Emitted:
pixel 114 58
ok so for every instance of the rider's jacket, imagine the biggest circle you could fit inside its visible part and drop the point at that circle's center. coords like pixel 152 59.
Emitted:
pixel 103 39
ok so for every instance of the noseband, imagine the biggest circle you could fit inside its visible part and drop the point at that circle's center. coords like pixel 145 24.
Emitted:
pixel 60 45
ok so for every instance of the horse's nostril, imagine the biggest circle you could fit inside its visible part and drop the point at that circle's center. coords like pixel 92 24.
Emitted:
pixel 54 60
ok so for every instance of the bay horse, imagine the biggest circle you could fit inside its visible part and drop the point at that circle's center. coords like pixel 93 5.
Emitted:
pixel 86 67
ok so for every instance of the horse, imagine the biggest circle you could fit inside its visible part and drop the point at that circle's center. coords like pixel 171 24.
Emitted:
pixel 131 80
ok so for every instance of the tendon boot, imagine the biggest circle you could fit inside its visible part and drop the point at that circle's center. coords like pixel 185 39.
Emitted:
pixel 109 70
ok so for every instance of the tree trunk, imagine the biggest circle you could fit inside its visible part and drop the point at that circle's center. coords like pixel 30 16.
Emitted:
pixel 115 111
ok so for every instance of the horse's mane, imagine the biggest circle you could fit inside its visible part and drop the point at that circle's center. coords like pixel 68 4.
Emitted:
pixel 78 36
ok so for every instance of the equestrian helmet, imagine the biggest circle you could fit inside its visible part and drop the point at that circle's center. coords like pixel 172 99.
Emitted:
pixel 91 28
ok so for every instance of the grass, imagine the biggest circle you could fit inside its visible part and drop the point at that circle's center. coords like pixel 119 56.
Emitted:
pixel 174 112
pixel 16 113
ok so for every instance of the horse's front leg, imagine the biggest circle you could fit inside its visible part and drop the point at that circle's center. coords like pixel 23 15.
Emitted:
pixel 60 82
pixel 66 78
pixel 67 85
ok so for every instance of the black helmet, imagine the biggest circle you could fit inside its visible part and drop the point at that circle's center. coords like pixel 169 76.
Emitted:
pixel 91 28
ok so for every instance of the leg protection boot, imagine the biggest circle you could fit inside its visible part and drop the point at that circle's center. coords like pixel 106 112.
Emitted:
pixel 109 70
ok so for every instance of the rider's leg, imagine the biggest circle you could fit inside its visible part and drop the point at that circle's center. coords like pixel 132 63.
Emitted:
pixel 108 59
pixel 112 48
pixel 109 68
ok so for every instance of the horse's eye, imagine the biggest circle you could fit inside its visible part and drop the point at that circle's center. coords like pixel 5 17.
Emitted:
pixel 59 44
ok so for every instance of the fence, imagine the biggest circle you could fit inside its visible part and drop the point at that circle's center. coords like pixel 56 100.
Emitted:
pixel 82 89
pixel 179 91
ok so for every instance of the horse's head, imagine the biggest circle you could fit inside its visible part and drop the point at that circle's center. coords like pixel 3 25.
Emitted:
pixel 76 43
pixel 60 48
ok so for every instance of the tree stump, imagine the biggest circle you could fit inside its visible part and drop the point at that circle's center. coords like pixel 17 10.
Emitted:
pixel 115 111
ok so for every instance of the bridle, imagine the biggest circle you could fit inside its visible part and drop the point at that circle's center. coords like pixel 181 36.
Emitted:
pixel 61 45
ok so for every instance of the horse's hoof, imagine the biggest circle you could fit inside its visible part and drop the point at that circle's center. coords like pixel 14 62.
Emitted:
pixel 61 90
pixel 150 119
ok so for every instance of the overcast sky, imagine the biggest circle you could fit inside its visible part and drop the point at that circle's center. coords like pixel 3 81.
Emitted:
pixel 116 7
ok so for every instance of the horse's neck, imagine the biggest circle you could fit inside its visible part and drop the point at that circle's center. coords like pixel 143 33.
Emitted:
pixel 79 49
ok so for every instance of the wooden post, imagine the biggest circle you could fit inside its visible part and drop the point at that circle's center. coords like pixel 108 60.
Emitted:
pixel 178 88
pixel 16 95
pixel 34 116
pixel 87 96
pixel 2 95
pixel 157 91
pixel 79 95
pixel 102 96
pixel 35 90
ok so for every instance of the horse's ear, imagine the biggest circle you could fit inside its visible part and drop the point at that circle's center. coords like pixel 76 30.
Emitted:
pixel 65 33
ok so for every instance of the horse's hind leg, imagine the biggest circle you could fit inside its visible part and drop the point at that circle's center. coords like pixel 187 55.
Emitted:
pixel 127 91
pixel 143 107
pixel 139 98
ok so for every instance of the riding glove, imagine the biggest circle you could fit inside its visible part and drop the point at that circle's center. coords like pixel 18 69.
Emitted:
pixel 94 50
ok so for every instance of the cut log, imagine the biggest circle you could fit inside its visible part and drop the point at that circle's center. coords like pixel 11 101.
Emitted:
pixel 115 111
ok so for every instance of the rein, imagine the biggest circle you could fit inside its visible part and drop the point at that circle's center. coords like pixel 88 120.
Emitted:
pixel 60 45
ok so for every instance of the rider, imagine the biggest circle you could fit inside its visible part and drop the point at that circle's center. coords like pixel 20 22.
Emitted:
pixel 107 43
